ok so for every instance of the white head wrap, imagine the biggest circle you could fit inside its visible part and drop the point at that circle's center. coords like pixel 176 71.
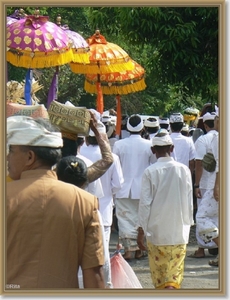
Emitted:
pixel 208 116
pixel 150 123
pixel 164 140
pixel 176 118
pixel 137 128
pixel 164 121
pixel 22 130
pixel 100 127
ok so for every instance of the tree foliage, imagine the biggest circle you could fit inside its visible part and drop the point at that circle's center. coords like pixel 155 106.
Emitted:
pixel 182 41
pixel 177 46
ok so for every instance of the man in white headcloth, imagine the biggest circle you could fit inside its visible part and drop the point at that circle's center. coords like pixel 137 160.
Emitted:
pixel 166 190
pixel 151 125
pixel 53 227
pixel 164 123
pixel 135 156
pixel 111 182
pixel 110 125
pixel 184 147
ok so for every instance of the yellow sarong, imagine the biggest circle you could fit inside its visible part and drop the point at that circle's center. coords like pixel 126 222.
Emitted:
pixel 166 265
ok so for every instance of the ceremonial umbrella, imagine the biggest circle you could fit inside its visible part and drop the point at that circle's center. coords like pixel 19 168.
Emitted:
pixel 79 45
pixel 122 83
pixel 118 83
pixel 17 15
pixel 104 57
pixel 34 42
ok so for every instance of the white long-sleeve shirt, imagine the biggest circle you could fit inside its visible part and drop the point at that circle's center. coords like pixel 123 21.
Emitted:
pixel 111 182
pixel 184 148
pixel 203 145
pixel 135 156
pixel 94 187
pixel 166 202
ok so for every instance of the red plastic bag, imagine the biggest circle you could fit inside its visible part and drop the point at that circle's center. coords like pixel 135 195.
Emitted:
pixel 122 274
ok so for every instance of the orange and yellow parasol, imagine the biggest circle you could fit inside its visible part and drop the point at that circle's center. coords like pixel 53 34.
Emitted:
pixel 117 83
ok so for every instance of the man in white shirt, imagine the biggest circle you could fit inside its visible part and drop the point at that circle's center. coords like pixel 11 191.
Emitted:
pixel 165 214
pixel 164 123
pixel 184 147
pixel 204 186
pixel 151 126
pixel 111 182
pixel 135 156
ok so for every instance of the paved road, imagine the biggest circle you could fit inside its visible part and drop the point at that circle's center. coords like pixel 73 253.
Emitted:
pixel 197 274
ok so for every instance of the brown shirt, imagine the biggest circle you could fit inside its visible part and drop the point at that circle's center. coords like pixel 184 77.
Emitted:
pixel 52 229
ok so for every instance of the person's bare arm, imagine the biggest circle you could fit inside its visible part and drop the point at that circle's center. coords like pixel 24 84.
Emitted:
pixel 97 169
pixel 216 188
pixel 198 174
pixel 93 278
pixel 192 166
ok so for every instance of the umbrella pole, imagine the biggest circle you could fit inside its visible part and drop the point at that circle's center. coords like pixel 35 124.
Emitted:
pixel 28 84
pixel 118 124
pixel 57 73
pixel 100 102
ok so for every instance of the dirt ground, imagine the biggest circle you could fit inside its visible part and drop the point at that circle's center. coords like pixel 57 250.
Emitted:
pixel 198 274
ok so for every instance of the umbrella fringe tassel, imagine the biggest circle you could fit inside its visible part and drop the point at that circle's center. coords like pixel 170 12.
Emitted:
pixel 40 59
pixel 82 58
pixel 114 90
pixel 103 69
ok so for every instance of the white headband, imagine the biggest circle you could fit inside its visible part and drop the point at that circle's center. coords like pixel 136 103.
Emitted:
pixel 164 121
pixel 22 130
pixel 162 140
pixel 149 123
pixel 137 128
pixel 100 127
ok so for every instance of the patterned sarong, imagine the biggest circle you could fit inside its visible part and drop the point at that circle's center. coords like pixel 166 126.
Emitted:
pixel 166 265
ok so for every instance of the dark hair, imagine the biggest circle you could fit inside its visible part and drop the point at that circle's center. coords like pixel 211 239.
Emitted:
pixel 72 169
pixel 80 141
pixel 162 148
pixel 206 108
pixel 134 120
pixel 145 134
pixel 176 126
pixel 69 147
pixel 91 140
pixel 49 155
pixel 152 129
pixel 165 126
pixel 209 123
pixel 184 132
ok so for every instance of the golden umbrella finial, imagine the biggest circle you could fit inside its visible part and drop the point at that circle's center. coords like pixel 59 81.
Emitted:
pixel 58 20
pixel 37 13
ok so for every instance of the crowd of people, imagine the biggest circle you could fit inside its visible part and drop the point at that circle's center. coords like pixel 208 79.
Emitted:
pixel 63 191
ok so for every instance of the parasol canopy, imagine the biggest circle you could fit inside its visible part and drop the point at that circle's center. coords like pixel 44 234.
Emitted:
pixel 10 20
pixel 117 83
pixel 104 57
pixel 122 83
pixel 17 15
pixel 34 42
pixel 79 45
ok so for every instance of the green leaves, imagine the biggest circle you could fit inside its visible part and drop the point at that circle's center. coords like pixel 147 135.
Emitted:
pixel 177 46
